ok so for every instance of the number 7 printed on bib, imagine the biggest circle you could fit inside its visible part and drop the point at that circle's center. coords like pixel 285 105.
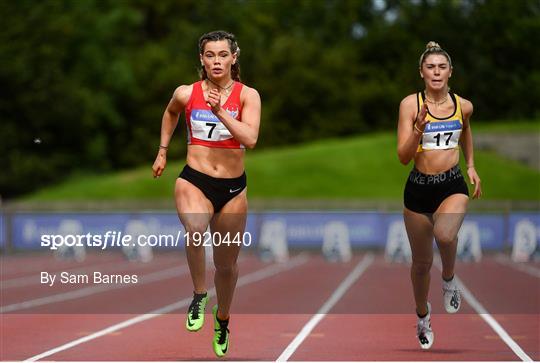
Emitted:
pixel 206 126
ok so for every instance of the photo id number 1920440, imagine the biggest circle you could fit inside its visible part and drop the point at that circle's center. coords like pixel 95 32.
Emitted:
pixel 207 239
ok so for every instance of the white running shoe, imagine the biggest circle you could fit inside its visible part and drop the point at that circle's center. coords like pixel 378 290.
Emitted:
pixel 452 296
pixel 423 330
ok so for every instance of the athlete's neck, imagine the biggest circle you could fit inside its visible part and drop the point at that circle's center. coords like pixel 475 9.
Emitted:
pixel 223 84
pixel 436 97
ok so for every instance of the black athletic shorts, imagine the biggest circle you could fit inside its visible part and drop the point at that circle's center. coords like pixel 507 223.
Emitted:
pixel 424 193
pixel 218 190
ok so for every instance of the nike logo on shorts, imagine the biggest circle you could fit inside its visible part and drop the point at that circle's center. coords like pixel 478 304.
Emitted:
pixel 234 190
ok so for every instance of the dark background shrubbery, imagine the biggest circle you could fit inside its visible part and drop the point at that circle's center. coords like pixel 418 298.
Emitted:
pixel 90 79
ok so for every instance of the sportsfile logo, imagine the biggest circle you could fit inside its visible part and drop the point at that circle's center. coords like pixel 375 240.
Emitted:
pixel 121 239
pixel 110 239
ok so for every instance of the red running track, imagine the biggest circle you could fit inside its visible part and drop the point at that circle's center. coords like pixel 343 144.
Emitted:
pixel 369 319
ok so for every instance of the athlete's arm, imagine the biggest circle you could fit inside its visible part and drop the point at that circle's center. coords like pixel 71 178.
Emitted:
pixel 245 131
pixel 467 147
pixel 169 121
pixel 409 135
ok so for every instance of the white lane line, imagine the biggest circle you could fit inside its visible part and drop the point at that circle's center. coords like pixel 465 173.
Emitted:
pixel 327 306
pixel 484 314
pixel 531 270
pixel 242 281
pixel 91 290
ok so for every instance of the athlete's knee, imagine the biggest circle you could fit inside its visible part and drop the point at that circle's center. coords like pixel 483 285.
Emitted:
pixel 445 237
pixel 195 235
pixel 196 227
pixel 421 268
pixel 224 268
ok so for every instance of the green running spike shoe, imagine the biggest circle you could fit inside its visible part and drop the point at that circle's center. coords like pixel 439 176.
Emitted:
pixel 195 315
pixel 221 335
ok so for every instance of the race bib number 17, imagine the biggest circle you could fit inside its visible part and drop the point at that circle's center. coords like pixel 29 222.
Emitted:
pixel 441 135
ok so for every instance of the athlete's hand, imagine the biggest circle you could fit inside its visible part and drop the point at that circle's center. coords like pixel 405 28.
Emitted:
pixel 159 164
pixel 421 121
pixel 214 100
pixel 475 180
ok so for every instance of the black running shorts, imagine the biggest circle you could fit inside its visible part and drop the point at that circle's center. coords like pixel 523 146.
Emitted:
pixel 424 193
pixel 218 190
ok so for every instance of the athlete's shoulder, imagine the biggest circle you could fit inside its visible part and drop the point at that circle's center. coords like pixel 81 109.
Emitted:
pixel 466 107
pixel 183 93
pixel 250 93
pixel 409 101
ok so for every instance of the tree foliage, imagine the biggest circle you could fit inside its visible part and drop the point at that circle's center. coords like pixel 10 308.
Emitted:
pixel 84 83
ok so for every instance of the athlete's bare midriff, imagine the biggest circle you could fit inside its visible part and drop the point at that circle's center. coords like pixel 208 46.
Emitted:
pixel 216 162
pixel 436 161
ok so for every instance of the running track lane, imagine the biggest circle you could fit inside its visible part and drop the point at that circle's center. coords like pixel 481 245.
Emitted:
pixel 511 296
pixel 24 334
pixel 260 334
pixel 172 352
pixel 373 322
pixel 29 290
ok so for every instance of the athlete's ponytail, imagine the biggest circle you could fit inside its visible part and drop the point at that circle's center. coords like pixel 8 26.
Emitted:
pixel 433 48
pixel 233 45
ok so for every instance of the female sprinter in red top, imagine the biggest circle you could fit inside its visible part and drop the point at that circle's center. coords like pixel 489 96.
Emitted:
pixel 222 118
pixel 432 125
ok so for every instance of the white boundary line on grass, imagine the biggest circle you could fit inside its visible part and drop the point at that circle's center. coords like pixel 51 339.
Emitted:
pixel 244 280
pixel 327 306
pixel 490 320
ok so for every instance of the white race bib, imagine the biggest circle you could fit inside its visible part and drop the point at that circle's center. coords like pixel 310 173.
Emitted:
pixel 206 126
pixel 440 135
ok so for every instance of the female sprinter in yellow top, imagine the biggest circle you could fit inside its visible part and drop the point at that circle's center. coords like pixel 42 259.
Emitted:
pixel 222 118
pixel 432 125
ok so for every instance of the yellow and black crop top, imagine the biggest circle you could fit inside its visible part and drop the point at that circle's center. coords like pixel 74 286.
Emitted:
pixel 441 133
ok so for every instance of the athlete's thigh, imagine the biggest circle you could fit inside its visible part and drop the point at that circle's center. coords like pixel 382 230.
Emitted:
pixel 194 209
pixel 228 227
pixel 449 217
pixel 419 228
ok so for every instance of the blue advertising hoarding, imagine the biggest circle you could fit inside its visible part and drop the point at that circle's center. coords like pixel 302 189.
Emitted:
pixel 303 229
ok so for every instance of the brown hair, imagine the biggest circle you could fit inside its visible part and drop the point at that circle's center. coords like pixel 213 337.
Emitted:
pixel 433 48
pixel 233 45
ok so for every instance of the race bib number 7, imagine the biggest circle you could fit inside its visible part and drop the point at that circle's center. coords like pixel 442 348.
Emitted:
pixel 440 135
pixel 206 126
